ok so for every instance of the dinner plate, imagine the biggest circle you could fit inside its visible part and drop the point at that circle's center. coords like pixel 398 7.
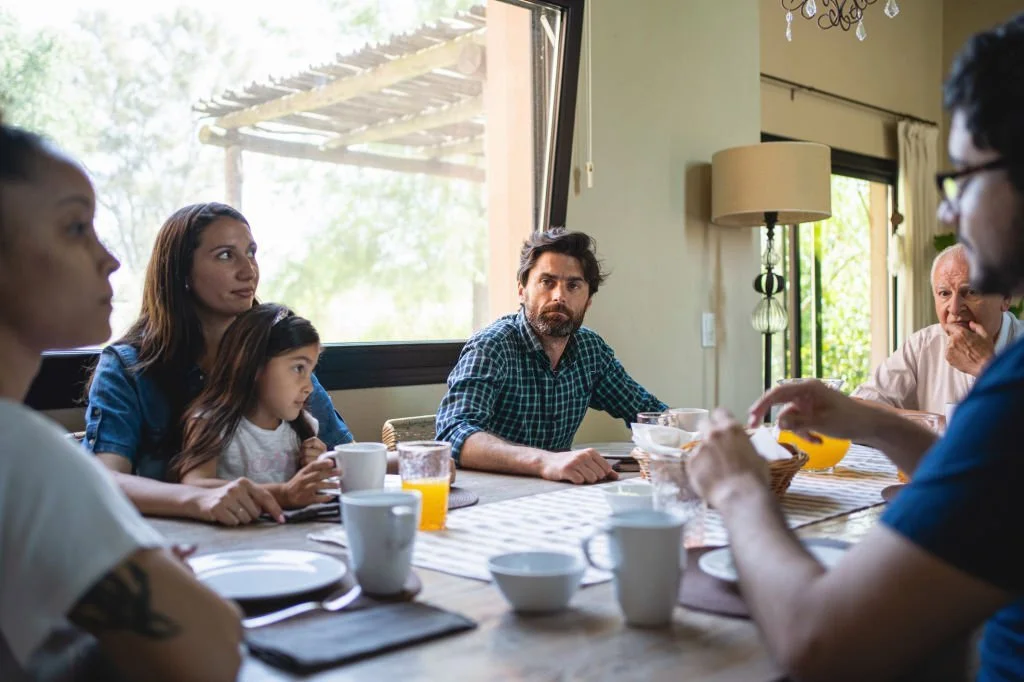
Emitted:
pixel 718 562
pixel 266 573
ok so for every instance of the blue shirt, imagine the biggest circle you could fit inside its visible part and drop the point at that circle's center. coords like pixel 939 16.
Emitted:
pixel 503 384
pixel 129 415
pixel 965 504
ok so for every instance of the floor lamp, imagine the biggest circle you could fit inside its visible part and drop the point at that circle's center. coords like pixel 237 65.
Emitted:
pixel 772 183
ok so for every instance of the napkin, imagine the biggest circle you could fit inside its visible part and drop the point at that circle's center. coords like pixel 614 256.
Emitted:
pixel 767 446
pixel 660 440
pixel 308 644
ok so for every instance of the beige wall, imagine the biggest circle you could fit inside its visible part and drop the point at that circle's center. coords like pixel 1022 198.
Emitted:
pixel 899 66
pixel 673 82
pixel 962 19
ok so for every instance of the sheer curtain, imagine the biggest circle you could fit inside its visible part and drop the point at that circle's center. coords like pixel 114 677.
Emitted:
pixel 913 248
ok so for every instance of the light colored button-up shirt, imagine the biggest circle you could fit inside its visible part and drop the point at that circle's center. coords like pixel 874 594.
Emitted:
pixel 917 376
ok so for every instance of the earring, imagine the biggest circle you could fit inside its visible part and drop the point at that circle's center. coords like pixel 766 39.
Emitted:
pixel 187 287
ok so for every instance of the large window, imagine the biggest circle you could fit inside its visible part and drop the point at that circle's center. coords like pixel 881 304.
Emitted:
pixel 390 155
pixel 840 295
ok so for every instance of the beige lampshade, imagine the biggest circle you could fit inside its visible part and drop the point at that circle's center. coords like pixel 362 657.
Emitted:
pixel 790 178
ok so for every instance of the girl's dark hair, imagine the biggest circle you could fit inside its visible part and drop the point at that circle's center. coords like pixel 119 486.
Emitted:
pixel 579 245
pixel 985 84
pixel 19 149
pixel 257 335
pixel 167 334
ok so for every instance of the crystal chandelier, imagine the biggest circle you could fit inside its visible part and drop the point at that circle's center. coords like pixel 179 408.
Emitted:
pixel 841 13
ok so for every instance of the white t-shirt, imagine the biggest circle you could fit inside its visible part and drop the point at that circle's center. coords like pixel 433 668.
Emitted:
pixel 64 524
pixel 262 455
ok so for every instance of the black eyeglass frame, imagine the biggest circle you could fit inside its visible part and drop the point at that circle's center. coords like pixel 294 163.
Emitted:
pixel 940 178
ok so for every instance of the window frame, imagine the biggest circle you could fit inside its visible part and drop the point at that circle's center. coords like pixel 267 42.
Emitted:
pixel 60 382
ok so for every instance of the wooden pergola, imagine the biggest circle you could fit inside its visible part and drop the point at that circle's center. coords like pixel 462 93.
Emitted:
pixel 413 104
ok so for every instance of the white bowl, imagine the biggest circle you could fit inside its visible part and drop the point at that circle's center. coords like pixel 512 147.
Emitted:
pixel 629 496
pixel 537 582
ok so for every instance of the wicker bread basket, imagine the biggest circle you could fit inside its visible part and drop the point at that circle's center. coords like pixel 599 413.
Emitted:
pixel 782 471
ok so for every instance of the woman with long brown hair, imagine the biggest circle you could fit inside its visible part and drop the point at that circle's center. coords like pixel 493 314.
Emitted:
pixel 202 274
pixel 250 420
pixel 73 548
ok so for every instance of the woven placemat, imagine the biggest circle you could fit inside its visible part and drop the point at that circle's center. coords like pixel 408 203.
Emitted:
pixel 702 592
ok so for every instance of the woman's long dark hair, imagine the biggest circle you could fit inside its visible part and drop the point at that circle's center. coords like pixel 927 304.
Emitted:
pixel 257 335
pixel 167 335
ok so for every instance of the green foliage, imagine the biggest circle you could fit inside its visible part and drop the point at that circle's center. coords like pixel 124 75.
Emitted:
pixel 27 60
pixel 943 241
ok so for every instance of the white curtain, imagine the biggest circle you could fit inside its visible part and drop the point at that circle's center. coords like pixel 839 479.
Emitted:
pixel 912 249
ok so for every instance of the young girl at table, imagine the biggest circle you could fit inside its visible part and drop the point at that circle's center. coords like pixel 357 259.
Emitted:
pixel 249 421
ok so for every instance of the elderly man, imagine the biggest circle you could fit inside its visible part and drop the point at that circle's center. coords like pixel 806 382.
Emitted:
pixel 948 554
pixel 938 364
pixel 523 385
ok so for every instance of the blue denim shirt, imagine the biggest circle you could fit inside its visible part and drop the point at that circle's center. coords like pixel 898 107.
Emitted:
pixel 129 415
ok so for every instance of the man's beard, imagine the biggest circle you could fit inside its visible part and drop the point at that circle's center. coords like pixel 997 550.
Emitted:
pixel 1007 277
pixel 550 325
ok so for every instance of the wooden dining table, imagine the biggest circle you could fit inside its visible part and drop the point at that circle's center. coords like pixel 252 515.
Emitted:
pixel 588 641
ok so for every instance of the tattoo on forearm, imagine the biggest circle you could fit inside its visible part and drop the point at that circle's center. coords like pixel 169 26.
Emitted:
pixel 121 601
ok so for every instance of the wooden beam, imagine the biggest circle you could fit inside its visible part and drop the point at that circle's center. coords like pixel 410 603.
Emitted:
pixel 298 150
pixel 474 146
pixel 407 125
pixel 371 80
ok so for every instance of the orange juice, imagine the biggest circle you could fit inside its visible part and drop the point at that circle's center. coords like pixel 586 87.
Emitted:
pixel 823 455
pixel 902 476
pixel 435 500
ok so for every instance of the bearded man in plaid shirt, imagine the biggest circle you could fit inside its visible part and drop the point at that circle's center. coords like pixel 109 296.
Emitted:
pixel 523 384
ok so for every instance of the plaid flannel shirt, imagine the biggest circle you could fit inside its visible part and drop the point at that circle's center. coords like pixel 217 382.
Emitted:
pixel 503 384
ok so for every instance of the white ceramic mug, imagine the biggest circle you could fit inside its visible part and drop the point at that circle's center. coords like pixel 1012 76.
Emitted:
pixel 381 529
pixel 363 465
pixel 646 549
pixel 688 418
pixel 950 409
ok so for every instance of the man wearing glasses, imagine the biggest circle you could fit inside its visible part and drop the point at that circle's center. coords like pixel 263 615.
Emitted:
pixel 938 364
pixel 948 554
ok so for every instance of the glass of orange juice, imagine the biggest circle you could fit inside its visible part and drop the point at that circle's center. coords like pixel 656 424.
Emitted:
pixel 830 451
pixel 425 465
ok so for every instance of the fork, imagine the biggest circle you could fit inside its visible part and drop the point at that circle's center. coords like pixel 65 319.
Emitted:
pixel 334 604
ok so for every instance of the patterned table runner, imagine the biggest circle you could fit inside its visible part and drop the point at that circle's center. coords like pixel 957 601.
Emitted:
pixel 558 521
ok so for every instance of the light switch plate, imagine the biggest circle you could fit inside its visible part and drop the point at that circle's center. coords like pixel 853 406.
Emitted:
pixel 707 330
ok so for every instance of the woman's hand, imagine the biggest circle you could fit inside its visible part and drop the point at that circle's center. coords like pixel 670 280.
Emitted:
pixel 311 449
pixel 305 486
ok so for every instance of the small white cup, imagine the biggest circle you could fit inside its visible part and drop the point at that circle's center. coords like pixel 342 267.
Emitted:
pixel 381 527
pixel 688 418
pixel 647 559
pixel 363 465
pixel 950 409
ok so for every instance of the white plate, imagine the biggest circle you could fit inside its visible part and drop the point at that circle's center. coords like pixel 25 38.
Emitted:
pixel 718 562
pixel 265 574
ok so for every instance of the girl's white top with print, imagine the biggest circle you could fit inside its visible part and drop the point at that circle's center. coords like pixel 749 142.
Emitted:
pixel 262 455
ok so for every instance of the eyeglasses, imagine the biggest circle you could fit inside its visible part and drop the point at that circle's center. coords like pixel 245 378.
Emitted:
pixel 949 183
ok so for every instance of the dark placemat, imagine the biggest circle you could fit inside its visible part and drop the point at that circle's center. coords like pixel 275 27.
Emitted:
pixel 325 640
pixel 702 592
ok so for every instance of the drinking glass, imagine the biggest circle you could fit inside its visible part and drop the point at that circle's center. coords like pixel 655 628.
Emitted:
pixel 661 418
pixel 830 451
pixel 674 494
pixel 425 465
pixel 932 422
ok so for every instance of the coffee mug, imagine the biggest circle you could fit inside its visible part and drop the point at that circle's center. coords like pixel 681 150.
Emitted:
pixel 381 529
pixel 688 418
pixel 950 409
pixel 646 549
pixel 362 465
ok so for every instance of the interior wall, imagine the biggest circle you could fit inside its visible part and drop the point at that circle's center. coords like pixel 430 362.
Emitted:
pixel 961 20
pixel 673 82
pixel 899 67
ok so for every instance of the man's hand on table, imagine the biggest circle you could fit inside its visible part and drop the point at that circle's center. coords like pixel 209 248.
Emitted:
pixel 577 466
pixel 725 460
pixel 968 350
